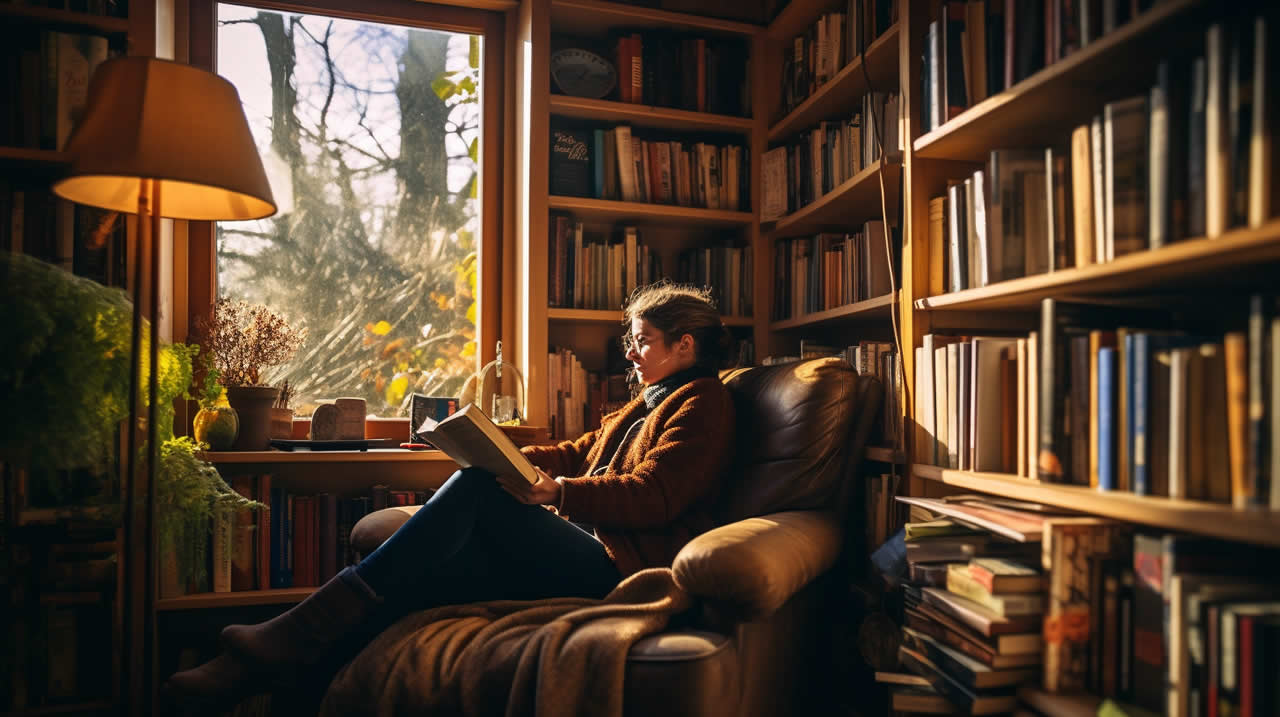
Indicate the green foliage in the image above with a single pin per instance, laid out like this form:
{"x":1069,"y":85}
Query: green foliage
{"x":64,"y":380}
{"x":64,"y":370}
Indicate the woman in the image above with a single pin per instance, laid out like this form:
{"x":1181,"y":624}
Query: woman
{"x":646,"y":480}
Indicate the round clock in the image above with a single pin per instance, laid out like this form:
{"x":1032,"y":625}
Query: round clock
{"x":582,"y":73}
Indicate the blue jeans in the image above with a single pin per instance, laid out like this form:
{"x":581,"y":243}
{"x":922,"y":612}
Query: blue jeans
{"x":472,"y":541}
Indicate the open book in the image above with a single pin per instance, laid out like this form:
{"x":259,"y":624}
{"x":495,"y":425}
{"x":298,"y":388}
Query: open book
{"x":471,"y":439}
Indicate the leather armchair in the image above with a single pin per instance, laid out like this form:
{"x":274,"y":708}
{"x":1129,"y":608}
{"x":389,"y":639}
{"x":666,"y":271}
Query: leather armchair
{"x":755,"y":645}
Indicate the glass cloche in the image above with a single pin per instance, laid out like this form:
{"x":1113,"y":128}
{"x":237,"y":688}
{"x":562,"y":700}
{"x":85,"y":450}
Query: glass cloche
{"x":498,"y":389}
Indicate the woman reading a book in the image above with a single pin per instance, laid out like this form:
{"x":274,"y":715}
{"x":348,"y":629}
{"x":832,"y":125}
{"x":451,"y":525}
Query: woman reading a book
{"x":646,"y":480}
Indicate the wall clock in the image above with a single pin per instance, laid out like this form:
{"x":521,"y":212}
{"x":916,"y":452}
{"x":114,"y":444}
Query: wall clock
{"x":582,"y":73}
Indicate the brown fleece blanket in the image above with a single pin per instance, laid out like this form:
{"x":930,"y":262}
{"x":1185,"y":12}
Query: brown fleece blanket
{"x":562,"y":656}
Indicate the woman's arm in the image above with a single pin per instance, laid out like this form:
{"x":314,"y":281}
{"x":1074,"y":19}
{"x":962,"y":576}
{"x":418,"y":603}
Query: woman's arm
{"x":565,"y":458}
{"x":684,"y":464}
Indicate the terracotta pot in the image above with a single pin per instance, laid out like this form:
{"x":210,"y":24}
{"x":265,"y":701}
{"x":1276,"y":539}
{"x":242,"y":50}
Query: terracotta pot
{"x":281,"y":422}
{"x":253,"y":405}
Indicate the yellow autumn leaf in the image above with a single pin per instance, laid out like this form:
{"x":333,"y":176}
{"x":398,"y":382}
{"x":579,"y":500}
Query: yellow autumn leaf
{"x":469,"y":349}
{"x":397,"y":388}
{"x":382,"y":328}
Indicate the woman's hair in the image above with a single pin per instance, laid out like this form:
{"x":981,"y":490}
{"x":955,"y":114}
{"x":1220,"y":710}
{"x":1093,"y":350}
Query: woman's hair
{"x":679,"y":309}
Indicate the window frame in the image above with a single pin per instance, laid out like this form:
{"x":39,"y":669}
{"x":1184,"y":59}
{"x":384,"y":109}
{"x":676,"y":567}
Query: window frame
{"x":195,"y":296}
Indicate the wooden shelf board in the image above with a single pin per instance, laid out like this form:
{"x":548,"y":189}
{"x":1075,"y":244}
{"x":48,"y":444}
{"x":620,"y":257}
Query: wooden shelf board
{"x":90,"y":707}
{"x":1211,"y":519}
{"x":871,"y":309}
{"x":856,"y":200}
{"x":1041,"y":109}
{"x":1190,"y":260}
{"x":30,"y":156}
{"x":609,"y":210}
{"x":66,"y":19}
{"x":377,"y":455}
{"x":594,"y":17}
{"x":840,"y":96}
{"x":603,"y":316}
{"x":47,"y":516}
{"x":648,"y":115}
{"x":197,"y":601}
{"x":885,"y":454}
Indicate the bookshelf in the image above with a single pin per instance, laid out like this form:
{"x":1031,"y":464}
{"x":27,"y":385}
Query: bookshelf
{"x":202,"y":601}
{"x":1189,"y":516}
{"x":66,"y":635}
{"x":647,"y":214}
{"x":876,"y":309}
{"x":648,"y":116}
{"x":857,"y":198}
{"x":610,"y":318}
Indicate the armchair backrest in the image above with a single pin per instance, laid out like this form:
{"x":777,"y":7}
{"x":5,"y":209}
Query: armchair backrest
{"x":800,"y":427}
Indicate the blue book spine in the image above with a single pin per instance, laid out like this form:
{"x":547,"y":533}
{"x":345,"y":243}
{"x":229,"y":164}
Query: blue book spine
{"x":1106,"y":419}
{"x":597,"y":158}
{"x":279,"y":519}
{"x":1141,"y":387}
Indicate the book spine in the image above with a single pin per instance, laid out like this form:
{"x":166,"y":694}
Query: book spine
{"x":264,"y":538}
{"x":1106,"y":419}
{"x":1140,"y":412}
{"x":1050,"y":461}
{"x":1235,"y":352}
{"x":1256,"y":476}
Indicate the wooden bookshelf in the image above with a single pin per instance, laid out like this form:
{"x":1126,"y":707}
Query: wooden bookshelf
{"x":376,"y":455}
{"x":1048,"y":104}
{"x":28,"y":157}
{"x":647,"y":115}
{"x":1064,"y":704}
{"x":598,"y":17}
{"x":666,"y":214}
{"x":199,"y":601}
{"x":1223,"y":261}
{"x":855,"y":200}
{"x":52,"y":18}
{"x":876,"y":309}
{"x":1211,"y":519}
{"x":840,"y":96}
{"x":885,"y":454}
{"x":605,"y":316}
{"x":341,"y":471}
{"x":70,"y":708}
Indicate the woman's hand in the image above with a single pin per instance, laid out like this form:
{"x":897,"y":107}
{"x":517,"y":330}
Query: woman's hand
{"x":545,"y":492}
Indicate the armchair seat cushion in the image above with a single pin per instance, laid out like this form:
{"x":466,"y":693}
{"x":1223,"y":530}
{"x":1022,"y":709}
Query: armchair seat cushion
{"x":678,"y":646}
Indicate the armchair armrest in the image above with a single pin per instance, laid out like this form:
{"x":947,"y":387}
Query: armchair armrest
{"x":748,"y":569}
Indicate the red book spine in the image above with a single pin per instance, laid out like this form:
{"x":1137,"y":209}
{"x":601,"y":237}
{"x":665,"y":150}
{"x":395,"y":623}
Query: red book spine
{"x":1245,"y":665}
{"x":264,"y":532}
{"x":624,"y":65}
{"x":328,"y":536}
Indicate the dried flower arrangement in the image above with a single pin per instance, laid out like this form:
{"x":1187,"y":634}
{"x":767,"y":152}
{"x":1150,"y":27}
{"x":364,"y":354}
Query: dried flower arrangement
{"x":286,"y":394}
{"x":247,"y":338}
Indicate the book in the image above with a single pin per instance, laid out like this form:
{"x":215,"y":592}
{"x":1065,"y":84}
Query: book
{"x":935,"y":528}
{"x":962,"y":668}
{"x":998,"y":575}
{"x":1010,"y":523}
{"x":928,"y":621}
{"x":570,"y":163}
{"x":977,"y":617}
{"x":471,"y":439}
{"x":968,"y":700}
{"x":961,"y":583}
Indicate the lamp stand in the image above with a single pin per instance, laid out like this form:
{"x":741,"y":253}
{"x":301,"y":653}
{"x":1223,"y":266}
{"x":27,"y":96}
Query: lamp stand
{"x":138,"y":639}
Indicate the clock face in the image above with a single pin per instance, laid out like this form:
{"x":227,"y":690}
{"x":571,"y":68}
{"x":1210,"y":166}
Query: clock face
{"x":582,"y":73}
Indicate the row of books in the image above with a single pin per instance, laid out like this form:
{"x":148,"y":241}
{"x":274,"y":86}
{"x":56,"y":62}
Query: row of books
{"x":832,"y":42}
{"x":821,"y":159}
{"x":713,"y":72}
{"x":300,"y":540}
{"x":1193,"y":157}
{"x":59,"y":596}
{"x":978,"y":48}
{"x":87,"y":241}
{"x":1111,"y":399}
{"x":109,"y":8}
{"x":614,"y":164}
{"x":569,"y":395}
{"x":48,"y":73}
{"x":826,"y":271}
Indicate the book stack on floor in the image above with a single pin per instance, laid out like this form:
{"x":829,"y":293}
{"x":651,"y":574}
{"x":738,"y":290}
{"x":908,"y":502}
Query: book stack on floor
{"x":1110,"y":398}
{"x":973,"y":604}
{"x":1192,"y":157}
{"x":829,"y":270}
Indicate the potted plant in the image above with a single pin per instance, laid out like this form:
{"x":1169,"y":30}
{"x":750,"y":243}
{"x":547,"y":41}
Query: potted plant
{"x":216,"y":424}
{"x":281,"y":414}
{"x":245,"y":339}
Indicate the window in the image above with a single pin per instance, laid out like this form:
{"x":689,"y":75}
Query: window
{"x":371,"y":136}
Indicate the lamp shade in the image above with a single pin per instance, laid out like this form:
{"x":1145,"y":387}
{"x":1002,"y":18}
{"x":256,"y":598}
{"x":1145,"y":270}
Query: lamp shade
{"x":149,"y":119}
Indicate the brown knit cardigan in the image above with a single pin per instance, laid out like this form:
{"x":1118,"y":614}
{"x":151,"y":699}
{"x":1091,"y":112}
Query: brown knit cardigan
{"x":658,"y":495}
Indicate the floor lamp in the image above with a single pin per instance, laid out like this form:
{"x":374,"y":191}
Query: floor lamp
{"x":160,"y":139}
